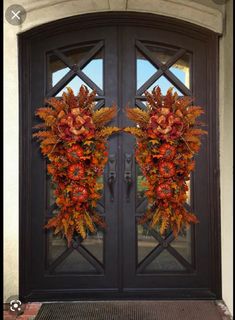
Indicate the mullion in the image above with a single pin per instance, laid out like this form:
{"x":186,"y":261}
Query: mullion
{"x":157,"y":63}
{"x":170,"y":76}
{"x":90,"y":258}
{"x":175,"y":58}
{"x":90,"y":54}
{"x":63,"y":58}
{"x":99,"y":105}
{"x":140,"y":105}
{"x":61,"y":84}
{"x":156,"y":235}
{"x":172,"y":250}
{"x":78,"y":72}
{"x":142,"y":205}
{"x":179,"y":257}
{"x":149,"y":258}
{"x":60,"y":259}
{"x":150,"y":81}
{"x":89,"y":82}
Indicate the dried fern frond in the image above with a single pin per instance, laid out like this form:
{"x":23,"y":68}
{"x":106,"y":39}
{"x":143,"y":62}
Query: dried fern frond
{"x":50,"y":140}
{"x":104,"y":115}
{"x":41,"y":126}
{"x":139,"y":116}
{"x":43,"y":113}
{"x":106,"y":132}
{"x":58,"y":105}
{"x":41,"y":135}
{"x":80,"y":228}
{"x":156,"y":218}
{"x":89,"y":222}
{"x":139,"y":133}
{"x":164,"y":223}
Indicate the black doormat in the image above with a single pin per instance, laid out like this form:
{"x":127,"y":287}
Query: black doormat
{"x":131,"y":310}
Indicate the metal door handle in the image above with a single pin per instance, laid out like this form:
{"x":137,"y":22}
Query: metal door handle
{"x":111,"y":175}
{"x":128,"y":175}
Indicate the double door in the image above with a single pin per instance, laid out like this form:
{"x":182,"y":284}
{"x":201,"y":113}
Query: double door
{"x":126,"y":259}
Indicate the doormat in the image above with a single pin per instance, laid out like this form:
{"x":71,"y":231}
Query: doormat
{"x":131,"y":310}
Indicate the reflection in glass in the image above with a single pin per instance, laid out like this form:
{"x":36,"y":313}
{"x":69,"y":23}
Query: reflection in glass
{"x":183,"y":244}
{"x":188,"y":201}
{"x":161,"y":53}
{"x":50,"y":191}
{"x":93,"y":69}
{"x":94,"y":244}
{"x":75,"y":263}
{"x":56,"y":246}
{"x":181,"y":69}
{"x":140,"y":187}
{"x":56,"y":70}
{"x":144,"y":69}
{"x":146,"y":242}
{"x":164,"y":262}
{"x":75,"y":55}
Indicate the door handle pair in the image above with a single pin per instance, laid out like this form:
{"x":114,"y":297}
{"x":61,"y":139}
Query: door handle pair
{"x":127,"y":175}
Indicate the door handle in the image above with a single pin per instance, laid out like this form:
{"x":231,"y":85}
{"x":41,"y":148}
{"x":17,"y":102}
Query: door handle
{"x":111,"y":174}
{"x":128,"y":175}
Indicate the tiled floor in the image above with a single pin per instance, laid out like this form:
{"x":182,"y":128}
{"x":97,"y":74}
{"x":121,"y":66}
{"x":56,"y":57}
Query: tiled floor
{"x":30,"y":311}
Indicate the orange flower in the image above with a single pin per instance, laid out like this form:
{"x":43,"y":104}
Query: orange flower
{"x":166,"y":169}
{"x":74,"y":153}
{"x":79,"y":194}
{"x":164,"y":191}
{"x":76,"y":171}
{"x":167,"y":151}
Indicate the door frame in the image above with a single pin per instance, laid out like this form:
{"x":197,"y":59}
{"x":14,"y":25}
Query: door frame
{"x":210,"y":39}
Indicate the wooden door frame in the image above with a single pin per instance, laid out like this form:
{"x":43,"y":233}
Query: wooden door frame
{"x":209,"y":38}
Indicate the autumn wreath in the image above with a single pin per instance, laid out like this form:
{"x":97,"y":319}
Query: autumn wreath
{"x":168,"y":136}
{"x":74,"y":140}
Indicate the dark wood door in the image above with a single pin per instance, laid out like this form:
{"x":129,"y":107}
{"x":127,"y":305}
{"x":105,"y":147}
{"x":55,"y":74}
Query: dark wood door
{"x":163,"y":58}
{"x":120,"y":62}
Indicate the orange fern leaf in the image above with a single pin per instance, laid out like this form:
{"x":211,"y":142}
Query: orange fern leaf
{"x":137,"y":115}
{"x":104,"y":115}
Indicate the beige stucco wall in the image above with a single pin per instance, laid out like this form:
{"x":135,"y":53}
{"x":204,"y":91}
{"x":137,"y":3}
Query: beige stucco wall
{"x":202,"y":12}
{"x":226,"y":156}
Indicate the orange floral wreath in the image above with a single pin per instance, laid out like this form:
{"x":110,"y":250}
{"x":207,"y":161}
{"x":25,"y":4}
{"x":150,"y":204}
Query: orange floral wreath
{"x":168,"y":136}
{"x":74,"y":140}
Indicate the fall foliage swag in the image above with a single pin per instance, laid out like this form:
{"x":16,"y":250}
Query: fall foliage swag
{"x":74,"y":140}
{"x":168,"y":136}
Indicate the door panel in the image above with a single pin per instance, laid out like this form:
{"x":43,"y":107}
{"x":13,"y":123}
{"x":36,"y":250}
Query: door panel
{"x":150,"y":260}
{"x":120,"y":60}
{"x":79,"y":59}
